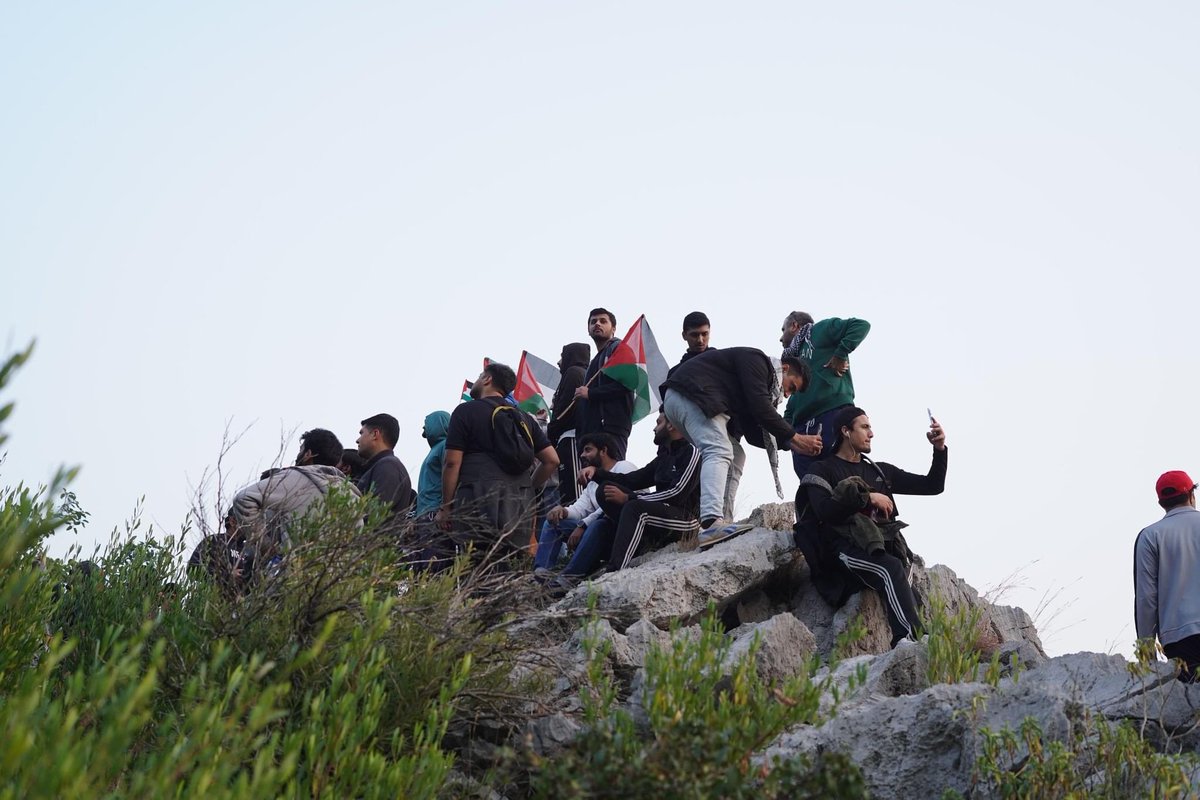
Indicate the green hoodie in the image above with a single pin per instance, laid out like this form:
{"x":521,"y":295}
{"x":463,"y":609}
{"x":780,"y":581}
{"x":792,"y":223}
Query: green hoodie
{"x":828,"y":338}
{"x":429,"y":482}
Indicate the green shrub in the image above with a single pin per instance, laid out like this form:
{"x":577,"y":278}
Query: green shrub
{"x":339,"y":677}
{"x":704,"y":723}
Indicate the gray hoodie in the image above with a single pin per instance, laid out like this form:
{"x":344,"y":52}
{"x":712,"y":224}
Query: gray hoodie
{"x":267,"y":507}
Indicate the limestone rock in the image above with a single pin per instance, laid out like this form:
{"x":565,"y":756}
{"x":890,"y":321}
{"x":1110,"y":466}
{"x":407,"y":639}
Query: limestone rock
{"x":672,"y":587}
{"x":784,"y":647}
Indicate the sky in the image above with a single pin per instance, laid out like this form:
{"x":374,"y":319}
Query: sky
{"x":263,"y":218}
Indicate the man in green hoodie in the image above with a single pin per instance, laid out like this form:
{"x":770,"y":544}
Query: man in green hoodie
{"x":826,"y":347}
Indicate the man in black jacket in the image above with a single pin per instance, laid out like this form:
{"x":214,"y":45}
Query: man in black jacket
{"x":607,"y":404}
{"x":564,"y":413}
{"x":384,"y":473}
{"x":738,"y":384}
{"x":666,"y":513}
{"x":851,"y":499}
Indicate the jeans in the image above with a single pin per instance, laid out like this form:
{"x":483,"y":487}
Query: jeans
{"x":551,"y":541}
{"x":711,"y":437}
{"x":735,"y":476}
{"x":595,"y":547}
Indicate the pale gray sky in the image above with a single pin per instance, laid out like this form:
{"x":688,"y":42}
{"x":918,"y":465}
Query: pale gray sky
{"x":297,"y":215}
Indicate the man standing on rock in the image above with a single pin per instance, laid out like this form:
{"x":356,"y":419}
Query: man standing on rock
{"x":825,"y":347}
{"x":1166,"y":558}
{"x":607,"y":403}
{"x":738,"y":384}
{"x":852,"y":499}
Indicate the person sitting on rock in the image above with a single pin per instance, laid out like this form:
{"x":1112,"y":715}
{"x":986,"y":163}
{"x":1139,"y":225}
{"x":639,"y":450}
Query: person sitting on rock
{"x":670,"y":512}
{"x":850,"y":500}
{"x":567,"y":524}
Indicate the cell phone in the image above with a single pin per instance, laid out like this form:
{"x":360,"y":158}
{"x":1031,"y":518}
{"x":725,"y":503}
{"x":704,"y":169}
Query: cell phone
{"x":930,"y":413}
{"x":929,"y":434}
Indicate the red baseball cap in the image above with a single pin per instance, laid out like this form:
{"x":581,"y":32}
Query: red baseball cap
{"x":1173,"y":483}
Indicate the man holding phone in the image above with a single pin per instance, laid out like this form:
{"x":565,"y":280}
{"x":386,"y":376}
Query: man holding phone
{"x":848,"y":501}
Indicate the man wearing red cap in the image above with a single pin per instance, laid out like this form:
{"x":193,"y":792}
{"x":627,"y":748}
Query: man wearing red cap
{"x":1166,"y":557}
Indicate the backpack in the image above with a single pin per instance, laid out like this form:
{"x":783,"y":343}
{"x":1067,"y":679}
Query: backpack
{"x":512,"y":441}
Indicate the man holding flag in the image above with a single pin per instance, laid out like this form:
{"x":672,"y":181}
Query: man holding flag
{"x":607,"y":403}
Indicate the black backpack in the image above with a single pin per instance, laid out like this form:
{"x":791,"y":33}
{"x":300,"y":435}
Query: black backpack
{"x":512,"y":441}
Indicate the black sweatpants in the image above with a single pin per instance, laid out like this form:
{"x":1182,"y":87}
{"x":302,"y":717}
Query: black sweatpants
{"x":1188,"y":651}
{"x":885,"y":574}
{"x":642,"y":520}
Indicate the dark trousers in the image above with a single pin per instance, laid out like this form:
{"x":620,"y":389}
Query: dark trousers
{"x":885,"y":574}
{"x":568,"y":470}
{"x":1188,"y":651}
{"x":824,"y":423}
{"x":643,"y":524}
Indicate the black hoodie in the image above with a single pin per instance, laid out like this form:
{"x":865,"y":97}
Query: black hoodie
{"x":574,"y":366}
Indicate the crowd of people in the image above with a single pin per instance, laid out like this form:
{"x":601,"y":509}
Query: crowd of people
{"x":499,"y":481}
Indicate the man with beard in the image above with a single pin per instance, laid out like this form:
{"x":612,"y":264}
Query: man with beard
{"x":479,"y":498}
{"x":851,"y":500}
{"x":652,"y":518}
{"x":573,"y":521}
{"x":607,"y":404}
{"x":825,"y":347}
{"x":384,"y":475}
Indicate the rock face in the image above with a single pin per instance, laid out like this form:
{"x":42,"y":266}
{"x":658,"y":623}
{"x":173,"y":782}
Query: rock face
{"x":912,"y":738}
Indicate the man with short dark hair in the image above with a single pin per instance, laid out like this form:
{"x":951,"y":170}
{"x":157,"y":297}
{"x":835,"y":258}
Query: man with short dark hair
{"x":649,"y":519}
{"x":740,"y":384}
{"x":261,"y":513}
{"x":607,"y":403}
{"x":851,"y":500}
{"x":384,"y":475}
{"x":696,"y":330}
{"x":825,"y":347}
{"x":319,"y":446}
{"x":569,"y":522}
{"x":479,"y":498}
{"x":1166,"y":560}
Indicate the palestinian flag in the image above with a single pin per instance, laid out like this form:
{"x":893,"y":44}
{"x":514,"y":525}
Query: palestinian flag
{"x":466,"y":395}
{"x":530,"y":393}
{"x":638,"y":364}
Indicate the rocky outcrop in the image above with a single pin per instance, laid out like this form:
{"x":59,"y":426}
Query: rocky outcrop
{"x":912,"y":738}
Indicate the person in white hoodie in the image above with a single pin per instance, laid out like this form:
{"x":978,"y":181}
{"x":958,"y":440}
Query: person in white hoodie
{"x":262,"y":512}
{"x":566,"y":524}
{"x":1166,"y":560}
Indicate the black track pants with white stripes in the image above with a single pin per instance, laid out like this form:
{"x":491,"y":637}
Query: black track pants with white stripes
{"x":885,"y":574}
{"x":644,"y":523}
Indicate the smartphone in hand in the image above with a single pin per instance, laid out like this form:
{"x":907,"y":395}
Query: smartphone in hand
{"x":929,"y":433}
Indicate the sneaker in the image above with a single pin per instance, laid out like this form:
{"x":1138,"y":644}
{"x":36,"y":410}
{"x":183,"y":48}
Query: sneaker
{"x":561,"y":586}
{"x":544,"y":574}
{"x":719,"y":531}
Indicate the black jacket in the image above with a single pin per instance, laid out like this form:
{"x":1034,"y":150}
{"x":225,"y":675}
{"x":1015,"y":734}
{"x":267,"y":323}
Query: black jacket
{"x":736,"y":381}
{"x":674,"y":473}
{"x":574,"y":369}
{"x":386,"y":476}
{"x":609,"y":407}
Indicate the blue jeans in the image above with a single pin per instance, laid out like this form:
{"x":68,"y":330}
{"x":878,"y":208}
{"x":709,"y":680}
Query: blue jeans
{"x":551,"y":541}
{"x":710,"y":436}
{"x":595,"y":546}
{"x":826,"y":421}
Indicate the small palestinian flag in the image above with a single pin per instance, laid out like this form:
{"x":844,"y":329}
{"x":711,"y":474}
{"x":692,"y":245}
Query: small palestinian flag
{"x":529,"y":393}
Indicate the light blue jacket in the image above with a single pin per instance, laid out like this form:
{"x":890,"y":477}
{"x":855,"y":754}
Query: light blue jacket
{"x":429,"y":482}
